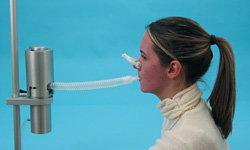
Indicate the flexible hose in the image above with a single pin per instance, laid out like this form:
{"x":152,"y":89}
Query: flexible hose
{"x":92,"y":84}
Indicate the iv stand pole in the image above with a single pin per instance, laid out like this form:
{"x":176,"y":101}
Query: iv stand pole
{"x":15,"y":73}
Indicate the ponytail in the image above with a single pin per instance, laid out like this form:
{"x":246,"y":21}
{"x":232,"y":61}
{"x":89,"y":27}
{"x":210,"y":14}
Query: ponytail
{"x":222,"y":98}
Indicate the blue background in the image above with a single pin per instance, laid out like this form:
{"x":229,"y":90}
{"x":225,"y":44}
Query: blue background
{"x":88,"y":38}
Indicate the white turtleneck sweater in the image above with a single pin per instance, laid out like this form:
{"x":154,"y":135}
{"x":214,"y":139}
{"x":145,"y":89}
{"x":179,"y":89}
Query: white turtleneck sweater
{"x":196,"y":129}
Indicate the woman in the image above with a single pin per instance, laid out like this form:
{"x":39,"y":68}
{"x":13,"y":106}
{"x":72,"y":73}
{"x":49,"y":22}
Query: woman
{"x":175,"y":54}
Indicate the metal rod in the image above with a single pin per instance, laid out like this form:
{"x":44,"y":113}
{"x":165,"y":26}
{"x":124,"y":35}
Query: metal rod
{"x":15,"y":72}
{"x":16,"y":112}
{"x":14,"y":49}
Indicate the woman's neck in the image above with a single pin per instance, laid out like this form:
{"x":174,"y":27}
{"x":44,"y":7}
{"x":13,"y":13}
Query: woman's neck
{"x":171,"y":90}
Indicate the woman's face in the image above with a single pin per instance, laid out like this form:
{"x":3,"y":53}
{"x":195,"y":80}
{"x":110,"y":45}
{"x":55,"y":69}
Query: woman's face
{"x":153,"y":75}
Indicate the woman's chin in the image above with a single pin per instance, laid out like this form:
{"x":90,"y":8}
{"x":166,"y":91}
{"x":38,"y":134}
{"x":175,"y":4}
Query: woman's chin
{"x":144,"y":90}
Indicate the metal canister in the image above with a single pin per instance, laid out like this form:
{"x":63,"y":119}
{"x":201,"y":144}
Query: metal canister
{"x":39,"y":72}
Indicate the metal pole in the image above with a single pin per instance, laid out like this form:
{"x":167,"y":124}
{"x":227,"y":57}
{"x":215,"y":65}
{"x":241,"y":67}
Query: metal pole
{"x":14,"y":49}
{"x":15,"y":72}
{"x":17,"y":133}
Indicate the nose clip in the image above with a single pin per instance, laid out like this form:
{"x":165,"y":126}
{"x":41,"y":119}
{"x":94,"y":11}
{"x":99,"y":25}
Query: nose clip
{"x":135,"y":63}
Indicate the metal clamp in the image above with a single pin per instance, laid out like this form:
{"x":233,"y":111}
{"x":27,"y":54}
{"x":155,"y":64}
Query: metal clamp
{"x":24,"y":100}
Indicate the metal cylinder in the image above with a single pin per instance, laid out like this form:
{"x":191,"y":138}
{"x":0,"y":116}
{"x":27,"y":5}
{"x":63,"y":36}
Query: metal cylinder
{"x":40,"y":119}
{"x":39,"y":72}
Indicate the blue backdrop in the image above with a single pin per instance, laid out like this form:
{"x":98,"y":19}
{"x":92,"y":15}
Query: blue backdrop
{"x":88,"y":38}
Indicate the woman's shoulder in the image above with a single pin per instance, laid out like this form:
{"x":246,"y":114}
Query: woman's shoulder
{"x":189,"y":139}
{"x":196,"y":138}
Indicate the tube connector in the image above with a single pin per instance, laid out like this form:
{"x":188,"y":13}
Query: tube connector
{"x":137,"y":64}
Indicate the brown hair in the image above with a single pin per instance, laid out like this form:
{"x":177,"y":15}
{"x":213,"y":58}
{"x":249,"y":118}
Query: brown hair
{"x":189,"y":43}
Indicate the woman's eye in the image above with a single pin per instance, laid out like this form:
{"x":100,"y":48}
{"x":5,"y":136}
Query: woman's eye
{"x":143,"y":57}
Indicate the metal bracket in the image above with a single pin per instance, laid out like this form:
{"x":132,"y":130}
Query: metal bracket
{"x":24,"y":100}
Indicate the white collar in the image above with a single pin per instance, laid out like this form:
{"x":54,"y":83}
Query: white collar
{"x":172,"y":108}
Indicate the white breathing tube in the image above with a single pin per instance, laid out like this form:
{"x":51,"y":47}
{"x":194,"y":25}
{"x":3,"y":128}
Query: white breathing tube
{"x":96,"y":84}
{"x":92,"y":84}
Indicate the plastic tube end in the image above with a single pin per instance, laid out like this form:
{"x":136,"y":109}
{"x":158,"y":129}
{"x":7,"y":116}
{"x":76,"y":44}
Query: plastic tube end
{"x":132,"y":60}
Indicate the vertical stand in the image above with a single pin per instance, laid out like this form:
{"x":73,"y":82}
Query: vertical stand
{"x":15,"y":73}
{"x":17,"y":131}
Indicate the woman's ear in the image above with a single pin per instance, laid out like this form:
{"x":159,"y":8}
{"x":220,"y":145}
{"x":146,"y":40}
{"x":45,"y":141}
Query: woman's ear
{"x":174,"y":69}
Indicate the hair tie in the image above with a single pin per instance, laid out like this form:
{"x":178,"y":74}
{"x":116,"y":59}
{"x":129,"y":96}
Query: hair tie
{"x":212,"y":41}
